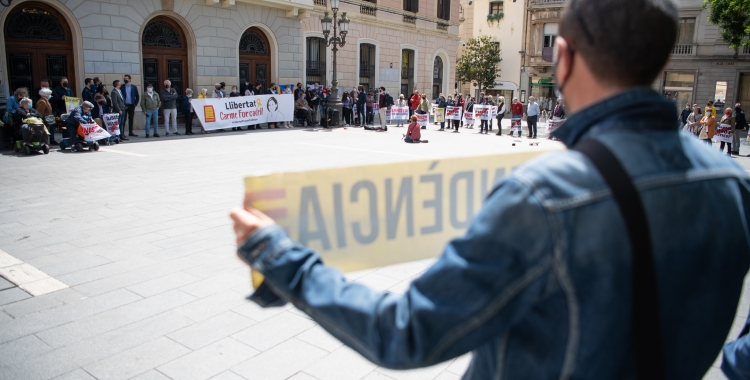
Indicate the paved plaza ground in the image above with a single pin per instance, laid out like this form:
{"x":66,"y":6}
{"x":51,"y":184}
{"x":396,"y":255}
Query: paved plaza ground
{"x":140,"y":236}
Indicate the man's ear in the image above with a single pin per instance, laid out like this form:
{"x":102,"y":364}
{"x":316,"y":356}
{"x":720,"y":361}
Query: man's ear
{"x":564,"y":60}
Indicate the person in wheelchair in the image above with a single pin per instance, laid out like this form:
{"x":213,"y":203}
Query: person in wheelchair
{"x":79,"y":115}
{"x":25,"y":111}
{"x":301,"y":108}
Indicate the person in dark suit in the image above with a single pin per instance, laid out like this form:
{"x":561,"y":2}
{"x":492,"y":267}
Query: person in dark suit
{"x":130,"y":94}
{"x":118,"y":106}
{"x":59,"y":94}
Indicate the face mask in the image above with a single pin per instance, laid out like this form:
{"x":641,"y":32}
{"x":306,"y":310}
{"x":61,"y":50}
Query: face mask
{"x":150,"y":90}
{"x":190,"y":96}
{"x":167,"y":86}
{"x":728,"y":113}
{"x":49,"y":97}
{"x":126,"y":81}
{"x":65,"y":84}
{"x":234,"y":90}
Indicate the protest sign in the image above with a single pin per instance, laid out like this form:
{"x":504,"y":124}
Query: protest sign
{"x":433,"y":107}
{"x":375,"y":107}
{"x":493,"y":114}
{"x":554,"y":124}
{"x":388,"y":114}
{"x":93,"y":132}
{"x":515,"y":124}
{"x":71,"y":103}
{"x":423,"y":119}
{"x":222,"y":113}
{"x":453,"y":113}
{"x":468,"y":118}
{"x":399,"y":113}
{"x":482,"y":112}
{"x":112,"y":123}
{"x":439,"y":115}
{"x":723,"y":133}
{"x":375,"y":215}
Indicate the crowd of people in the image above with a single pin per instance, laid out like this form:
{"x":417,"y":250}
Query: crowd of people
{"x":703,"y":124}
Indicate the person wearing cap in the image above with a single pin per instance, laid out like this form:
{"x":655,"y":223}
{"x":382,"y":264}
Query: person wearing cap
{"x":218,"y":93}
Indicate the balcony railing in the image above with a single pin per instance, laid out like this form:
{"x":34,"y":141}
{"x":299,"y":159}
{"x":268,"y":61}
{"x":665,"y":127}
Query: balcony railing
{"x":407,"y":73}
{"x":367,"y":10}
{"x":321,"y":3}
{"x":366,"y":70}
{"x":410,"y":19}
{"x":315,"y":68}
{"x":684,"y":49}
{"x":442,"y":26}
{"x":550,"y":1}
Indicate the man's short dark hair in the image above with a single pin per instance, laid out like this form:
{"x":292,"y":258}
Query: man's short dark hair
{"x":115,"y":83}
{"x":127,"y":76}
{"x":87,"y":81}
{"x":624,"y":42}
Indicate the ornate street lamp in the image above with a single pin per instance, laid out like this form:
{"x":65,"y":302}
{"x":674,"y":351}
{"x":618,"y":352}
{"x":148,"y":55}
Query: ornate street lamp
{"x":337,"y":39}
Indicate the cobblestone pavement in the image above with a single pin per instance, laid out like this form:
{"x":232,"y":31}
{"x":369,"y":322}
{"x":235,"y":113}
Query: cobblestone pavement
{"x":140,"y":234}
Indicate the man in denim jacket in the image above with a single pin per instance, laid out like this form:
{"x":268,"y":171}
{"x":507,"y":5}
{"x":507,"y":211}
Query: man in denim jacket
{"x":540,"y":285}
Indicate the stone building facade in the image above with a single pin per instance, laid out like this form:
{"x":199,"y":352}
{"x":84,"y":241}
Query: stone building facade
{"x":542,"y":21}
{"x":196,"y":43}
{"x":506,"y":32}
{"x":702,"y":66}
{"x":402,"y":45}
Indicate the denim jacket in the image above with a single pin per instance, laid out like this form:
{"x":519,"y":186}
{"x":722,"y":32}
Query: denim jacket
{"x":540,"y":285}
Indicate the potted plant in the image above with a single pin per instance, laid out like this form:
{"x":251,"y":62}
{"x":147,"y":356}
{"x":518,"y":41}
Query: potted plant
{"x":495,"y":18}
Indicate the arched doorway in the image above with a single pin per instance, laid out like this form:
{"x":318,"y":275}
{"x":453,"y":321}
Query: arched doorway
{"x":255,"y":57}
{"x":164,"y":54}
{"x":39,"y":45}
{"x":437,"y":77}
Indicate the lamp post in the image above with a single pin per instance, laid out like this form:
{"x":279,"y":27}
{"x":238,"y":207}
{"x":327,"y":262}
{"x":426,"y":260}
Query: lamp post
{"x":337,"y":39}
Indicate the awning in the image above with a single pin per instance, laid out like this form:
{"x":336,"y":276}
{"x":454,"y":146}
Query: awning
{"x":544,"y":82}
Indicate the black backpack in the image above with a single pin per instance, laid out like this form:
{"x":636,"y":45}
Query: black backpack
{"x":388,"y":100}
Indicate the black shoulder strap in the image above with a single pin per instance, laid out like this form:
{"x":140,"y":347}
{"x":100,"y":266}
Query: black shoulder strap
{"x":647,"y":339}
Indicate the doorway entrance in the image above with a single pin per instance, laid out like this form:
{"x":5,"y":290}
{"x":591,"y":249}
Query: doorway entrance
{"x":39,"y":45}
{"x":164,"y":56}
{"x":255,"y":58}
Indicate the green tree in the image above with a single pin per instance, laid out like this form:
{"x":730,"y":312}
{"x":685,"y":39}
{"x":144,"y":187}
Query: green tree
{"x":733,"y":17}
{"x":479,"y":62}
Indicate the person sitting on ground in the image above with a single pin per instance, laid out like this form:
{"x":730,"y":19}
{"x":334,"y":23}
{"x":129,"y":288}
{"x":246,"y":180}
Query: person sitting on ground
{"x":302,"y":108}
{"x":79,"y":115}
{"x":25,"y":111}
{"x":413,"y":134}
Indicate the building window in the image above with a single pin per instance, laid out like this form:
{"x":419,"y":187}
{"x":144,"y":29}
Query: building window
{"x":686,"y":31}
{"x":678,"y":87}
{"x":720,"y":95}
{"x":496,"y":7}
{"x":550,"y":33}
{"x":315,"y":64}
{"x":411,"y":5}
{"x":444,"y":9}
{"x":367,"y":66}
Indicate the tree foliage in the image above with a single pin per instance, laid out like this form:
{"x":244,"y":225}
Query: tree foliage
{"x":733,"y":17}
{"x":479,"y":62}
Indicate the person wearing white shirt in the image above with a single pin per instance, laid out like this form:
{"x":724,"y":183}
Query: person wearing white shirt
{"x":532,"y":114}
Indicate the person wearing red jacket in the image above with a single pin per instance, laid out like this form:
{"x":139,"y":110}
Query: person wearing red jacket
{"x":414,"y":102}
{"x":516,"y":114}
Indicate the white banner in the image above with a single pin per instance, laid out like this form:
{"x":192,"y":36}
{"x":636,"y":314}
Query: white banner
{"x":93,"y":132}
{"x":468,"y":118}
{"x":553,"y":124}
{"x":423,"y":119}
{"x":482,"y":112}
{"x":245,"y":110}
{"x":453,"y":113}
{"x":494,"y":112}
{"x":723,"y":133}
{"x":433,"y":107}
{"x":399,"y":113}
{"x":112,"y":123}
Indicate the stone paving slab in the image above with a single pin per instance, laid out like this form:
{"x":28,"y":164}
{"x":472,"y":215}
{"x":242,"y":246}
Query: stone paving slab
{"x":146,"y":246}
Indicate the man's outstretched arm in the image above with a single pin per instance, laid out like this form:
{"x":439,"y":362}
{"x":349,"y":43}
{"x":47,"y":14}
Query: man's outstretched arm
{"x":481,"y":286}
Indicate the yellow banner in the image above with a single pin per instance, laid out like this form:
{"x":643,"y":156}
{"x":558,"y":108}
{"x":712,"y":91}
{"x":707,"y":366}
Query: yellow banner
{"x":439,"y":115}
{"x":71,"y":103}
{"x":371,"y":216}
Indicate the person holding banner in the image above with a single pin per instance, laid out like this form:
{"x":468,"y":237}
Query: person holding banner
{"x":516,"y":114}
{"x":442,"y":104}
{"x":59,"y":95}
{"x":401,"y":102}
{"x":727,"y":128}
{"x":302,"y":108}
{"x":414,"y":102}
{"x":79,"y":115}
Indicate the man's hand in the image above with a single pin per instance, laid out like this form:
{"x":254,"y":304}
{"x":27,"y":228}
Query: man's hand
{"x":246,"y":222}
